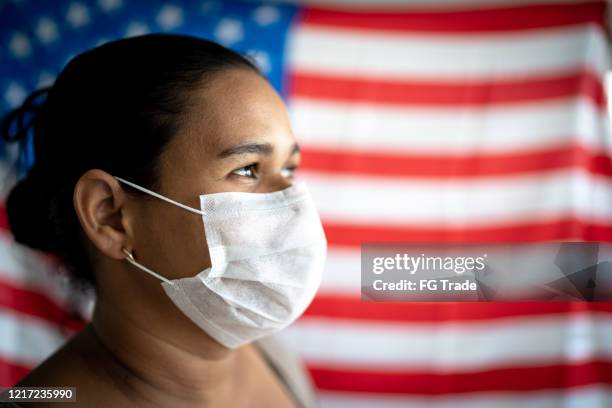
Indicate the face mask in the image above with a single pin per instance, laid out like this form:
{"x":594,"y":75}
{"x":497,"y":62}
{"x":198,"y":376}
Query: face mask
{"x":267,"y":252}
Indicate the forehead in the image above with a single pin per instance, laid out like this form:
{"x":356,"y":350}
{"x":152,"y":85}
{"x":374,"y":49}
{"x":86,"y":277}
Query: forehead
{"x":234,"y":106}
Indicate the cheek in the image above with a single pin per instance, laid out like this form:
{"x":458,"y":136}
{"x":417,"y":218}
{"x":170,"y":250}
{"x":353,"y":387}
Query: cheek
{"x":174,"y":243}
{"x":194,"y":248}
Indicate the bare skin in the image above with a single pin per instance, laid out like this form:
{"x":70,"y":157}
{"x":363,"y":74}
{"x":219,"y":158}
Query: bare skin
{"x":139,"y":349}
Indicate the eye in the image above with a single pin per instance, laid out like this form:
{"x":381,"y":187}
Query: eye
{"x":288,"y":171}
{"x":246,"y":171}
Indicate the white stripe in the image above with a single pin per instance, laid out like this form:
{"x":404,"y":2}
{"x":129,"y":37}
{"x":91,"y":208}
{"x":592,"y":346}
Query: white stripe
{"x":592,"y":396}
{"x":407,"y":55}
{"x":453,"y":130}
{"x":342,"y":274}
{"x":26,"y":340}
{"x":462,"y":203}
{"x":451,"y":346}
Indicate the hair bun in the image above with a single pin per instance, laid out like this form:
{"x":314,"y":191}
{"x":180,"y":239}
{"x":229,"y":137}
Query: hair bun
{"x":28,"y":202}
{"x":28,"y":209}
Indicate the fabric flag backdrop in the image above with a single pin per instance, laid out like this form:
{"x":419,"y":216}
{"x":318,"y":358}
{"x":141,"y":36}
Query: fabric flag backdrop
{"x":419,"y":121}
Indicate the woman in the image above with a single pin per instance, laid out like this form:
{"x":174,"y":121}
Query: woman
{"x":163,"y":174}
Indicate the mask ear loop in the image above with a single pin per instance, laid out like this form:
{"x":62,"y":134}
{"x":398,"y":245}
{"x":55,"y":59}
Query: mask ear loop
{"x":161,"y":197}
{"x":130,"y":259}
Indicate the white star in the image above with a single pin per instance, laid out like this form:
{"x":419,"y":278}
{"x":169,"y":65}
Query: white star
{"x":20,"y":45}
{"x":169,"y":17}
{"x":77,"y":15}
{"x":110,"y":5}
{"x":136,"y":28}
{"x":46,"y":30}
{"x":266,"y":15}
{"x":261,"y":59}
{"x":229,"y":31}
{"x":14,"y":94}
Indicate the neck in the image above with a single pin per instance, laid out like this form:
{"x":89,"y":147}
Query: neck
{"x":162,"y":367}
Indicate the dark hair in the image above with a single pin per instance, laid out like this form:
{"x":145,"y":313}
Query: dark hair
{"x":114,"y":108}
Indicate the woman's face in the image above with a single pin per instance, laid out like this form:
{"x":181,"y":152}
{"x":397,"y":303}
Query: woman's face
{"x":237,"y":137}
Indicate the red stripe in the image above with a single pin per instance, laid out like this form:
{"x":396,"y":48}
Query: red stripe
{"x":554,"y":376}
{"x":500,"y":19}
{"x":343,"y":234}
{"x":443,"y":93}
{"x":33,"y":303}
{"x":29,"y":302}
{"x":394,"y":164}
{"x":4,"y":223}
{"x":348,"y":307}
{"x":11,"y":373}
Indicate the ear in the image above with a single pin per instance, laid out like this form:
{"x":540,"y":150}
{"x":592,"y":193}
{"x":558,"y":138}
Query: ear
{"x":100,"y":204}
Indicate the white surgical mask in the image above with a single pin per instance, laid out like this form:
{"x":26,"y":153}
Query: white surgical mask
{"x":267,"y":252}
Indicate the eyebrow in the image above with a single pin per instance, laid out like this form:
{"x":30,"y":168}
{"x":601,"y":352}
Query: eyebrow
{"x":259,"y":148}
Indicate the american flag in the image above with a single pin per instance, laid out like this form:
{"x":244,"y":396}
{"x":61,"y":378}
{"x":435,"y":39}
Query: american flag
{"x":454,"y":120}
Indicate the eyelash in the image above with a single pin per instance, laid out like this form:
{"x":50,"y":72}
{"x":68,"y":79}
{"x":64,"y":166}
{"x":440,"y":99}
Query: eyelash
{"x":252,"y":168}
